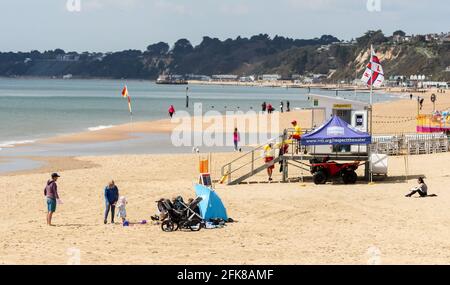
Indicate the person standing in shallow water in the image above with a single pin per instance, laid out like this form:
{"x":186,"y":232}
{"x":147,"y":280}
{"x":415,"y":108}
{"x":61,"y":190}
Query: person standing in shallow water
{"x":111,"y":198}
{"x":51,"y":192}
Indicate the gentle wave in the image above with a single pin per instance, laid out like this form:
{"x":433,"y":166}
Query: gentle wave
{"x":10,"y":144}
{"x":98,"y":128}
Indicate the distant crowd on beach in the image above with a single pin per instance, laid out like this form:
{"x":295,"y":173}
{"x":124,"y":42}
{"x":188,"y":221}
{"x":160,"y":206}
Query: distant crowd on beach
{"x":267,"y":107}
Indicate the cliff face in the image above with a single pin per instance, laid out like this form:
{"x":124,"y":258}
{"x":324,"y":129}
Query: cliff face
{"x":242,"y":56}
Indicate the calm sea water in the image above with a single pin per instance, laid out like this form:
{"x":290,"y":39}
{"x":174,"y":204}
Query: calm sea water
{"x":38,"y":108}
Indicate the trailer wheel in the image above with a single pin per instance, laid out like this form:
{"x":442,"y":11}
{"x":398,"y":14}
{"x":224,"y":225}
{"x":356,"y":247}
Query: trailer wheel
{"x":320,"y":177}
{"x":349,"y":177}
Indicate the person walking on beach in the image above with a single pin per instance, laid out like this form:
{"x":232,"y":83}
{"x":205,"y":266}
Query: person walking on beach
{"x":51,"y":192}
{"x":111,"y":198}
{"x":264,"y":107}
{"x":171,"y":111}
{"x":410,"y":96}
{"x":281,"y":106}
{"x":421,"y":188}
{"x":236,"y":139}
{"x":269,"y":108}
{"x":288,"y":106}
{"x":269,"y":154}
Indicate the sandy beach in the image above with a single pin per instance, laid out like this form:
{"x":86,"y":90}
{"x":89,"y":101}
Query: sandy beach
{"x":276,"y":223}
{"x":296,"y":223}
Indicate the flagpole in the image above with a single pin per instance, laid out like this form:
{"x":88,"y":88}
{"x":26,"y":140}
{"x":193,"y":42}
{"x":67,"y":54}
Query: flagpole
{"x":371,"y":113}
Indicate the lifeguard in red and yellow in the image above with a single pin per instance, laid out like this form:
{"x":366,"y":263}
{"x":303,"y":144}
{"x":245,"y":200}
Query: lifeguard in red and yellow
{"x":269,"y":155}
{"x":297,"y":135}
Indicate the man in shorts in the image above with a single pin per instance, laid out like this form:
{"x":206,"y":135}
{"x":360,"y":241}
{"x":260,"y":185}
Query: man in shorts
{"x":51,"y":192}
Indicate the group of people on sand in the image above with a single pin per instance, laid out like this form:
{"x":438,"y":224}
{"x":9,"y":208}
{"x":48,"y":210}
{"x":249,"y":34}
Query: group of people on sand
{"x":113,"y":201}
{"x":269,"y":108}
{"x":270,"y":148}
{"x":111,"y":195}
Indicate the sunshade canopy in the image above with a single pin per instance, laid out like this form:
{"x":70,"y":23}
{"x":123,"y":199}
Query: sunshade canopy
{"x":211,"y":206}
{"x":336,"y":132}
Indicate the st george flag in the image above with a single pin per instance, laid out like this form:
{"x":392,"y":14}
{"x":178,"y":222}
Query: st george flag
{"x":374,"y":74}
{"x":126,"y":95}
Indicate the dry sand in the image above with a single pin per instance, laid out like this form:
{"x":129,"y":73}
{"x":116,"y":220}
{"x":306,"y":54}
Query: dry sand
{"x":277,"y":223}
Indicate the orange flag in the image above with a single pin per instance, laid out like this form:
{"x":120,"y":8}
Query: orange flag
{"x":126,"y":95}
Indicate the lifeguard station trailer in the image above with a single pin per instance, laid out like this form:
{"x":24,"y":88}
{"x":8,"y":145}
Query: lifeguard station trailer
{"x":355,"y":113}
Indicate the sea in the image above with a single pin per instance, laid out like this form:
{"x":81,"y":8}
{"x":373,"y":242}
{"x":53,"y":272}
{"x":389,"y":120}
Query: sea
{"x":34,"y":109}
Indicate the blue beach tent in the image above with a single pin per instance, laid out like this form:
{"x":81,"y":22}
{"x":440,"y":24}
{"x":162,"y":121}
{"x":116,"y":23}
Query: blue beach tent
{"x":211,"y":207}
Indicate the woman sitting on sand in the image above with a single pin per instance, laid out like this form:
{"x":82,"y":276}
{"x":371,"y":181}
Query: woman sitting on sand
{"x":422,"y":189}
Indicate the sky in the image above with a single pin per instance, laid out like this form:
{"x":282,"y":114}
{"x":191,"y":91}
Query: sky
{"x":112,"y":25}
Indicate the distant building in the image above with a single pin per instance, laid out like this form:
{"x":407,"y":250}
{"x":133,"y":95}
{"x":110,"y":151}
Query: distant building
{"x":434,"y":84}
{"x":27,"y":60}
{"x":197,"y":77}
{"x":323,"y":48}
{"x":225,"y":77}
{"x":401,"y":39}
{"x":270,"y":77}
{"x":247,"y":78}
{"x":296,"y":76}
{"x":445,"y":38}
{"x":67,"y":57}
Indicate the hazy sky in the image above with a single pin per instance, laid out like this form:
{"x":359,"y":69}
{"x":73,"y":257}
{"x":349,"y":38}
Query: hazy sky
{"x":111,"y":25}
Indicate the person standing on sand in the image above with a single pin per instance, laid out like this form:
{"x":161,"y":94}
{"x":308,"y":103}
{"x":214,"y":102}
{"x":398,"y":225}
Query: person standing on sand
{"x":51,"y":192}
{"x":111,"y":198}
{"x":236,"y":139}
{"x":281,"y":106}
{"x":288,"y":106}
{"x":269,"y":154}
{"x":171,"y":111}
{"x":264,"y":107}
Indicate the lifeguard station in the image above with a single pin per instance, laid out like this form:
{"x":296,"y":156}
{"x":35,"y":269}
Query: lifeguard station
{"x":353,"y":114}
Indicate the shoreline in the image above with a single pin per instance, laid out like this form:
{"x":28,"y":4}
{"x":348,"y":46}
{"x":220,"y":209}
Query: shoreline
{"x":384,"y":123}
{"x":124,"y":131}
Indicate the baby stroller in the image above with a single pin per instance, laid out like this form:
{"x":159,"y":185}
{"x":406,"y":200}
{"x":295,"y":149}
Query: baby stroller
{"x":181,"y":217}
